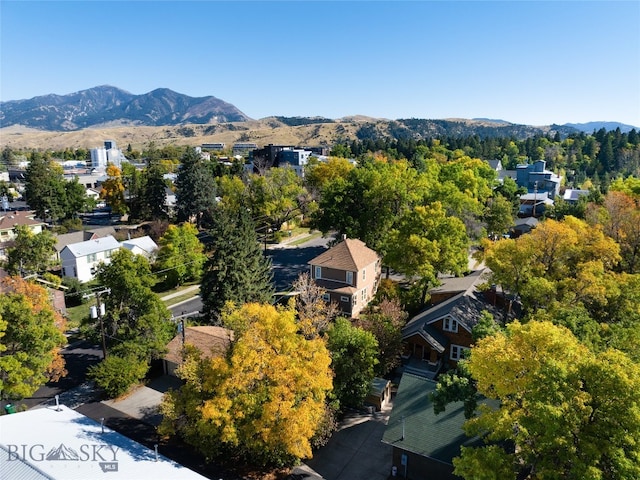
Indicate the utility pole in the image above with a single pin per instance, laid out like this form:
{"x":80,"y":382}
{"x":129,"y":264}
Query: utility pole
{"x":98,"y":311}
{"x":180,"y":320}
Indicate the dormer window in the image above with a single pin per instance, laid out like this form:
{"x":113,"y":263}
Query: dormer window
{"x":449,"y":325}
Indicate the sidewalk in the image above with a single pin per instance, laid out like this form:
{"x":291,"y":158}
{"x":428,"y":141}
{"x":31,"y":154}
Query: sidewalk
{"x":191,"y":288}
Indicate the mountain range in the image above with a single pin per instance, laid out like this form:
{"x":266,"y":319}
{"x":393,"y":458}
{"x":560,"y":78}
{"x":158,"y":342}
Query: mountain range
{"x":111,"y":106}
{"x":85,"y":118}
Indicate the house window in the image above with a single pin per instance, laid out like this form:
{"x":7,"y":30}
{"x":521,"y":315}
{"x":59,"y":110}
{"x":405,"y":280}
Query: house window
{"x":458,"y":352}
{"x":107,"y":254}
{"x":317,"y":272}
{"x":344,"y":299}
{"x":350,"y":278}
{"x":450,"y":325}
{"x":326,"y":297}
{"x":364,"y":274}
{"x":92,"y":257}
{"x":364,"y":295}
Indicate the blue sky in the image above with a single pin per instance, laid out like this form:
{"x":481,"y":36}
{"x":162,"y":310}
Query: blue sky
{"x":525,"y":62}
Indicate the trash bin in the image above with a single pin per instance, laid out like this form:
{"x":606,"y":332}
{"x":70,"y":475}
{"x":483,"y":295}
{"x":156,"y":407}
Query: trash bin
{"x":9,"y":408}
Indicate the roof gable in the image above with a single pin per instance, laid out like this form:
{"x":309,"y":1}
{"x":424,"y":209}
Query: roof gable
{"x":349,"y":255}
{"x":465,"y":308}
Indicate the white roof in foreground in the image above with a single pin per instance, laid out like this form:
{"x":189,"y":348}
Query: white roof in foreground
{"x":62,"y":444}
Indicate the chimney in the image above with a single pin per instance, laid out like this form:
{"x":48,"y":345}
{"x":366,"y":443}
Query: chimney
{"x":344,"y":237}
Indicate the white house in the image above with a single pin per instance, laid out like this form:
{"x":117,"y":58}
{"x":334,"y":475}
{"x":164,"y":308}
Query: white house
{"x":141,"y":246}
{"x":80,"y":260}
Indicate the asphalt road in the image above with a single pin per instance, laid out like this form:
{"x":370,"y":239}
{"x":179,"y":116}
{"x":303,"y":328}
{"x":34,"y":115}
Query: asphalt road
{"x":287,"y":263}
{"x":78,"y":357}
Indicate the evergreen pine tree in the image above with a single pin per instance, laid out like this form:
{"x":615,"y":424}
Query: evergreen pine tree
{"x":155,"y":191}
{"x":195,"y":188}
{"x":237,"y":270}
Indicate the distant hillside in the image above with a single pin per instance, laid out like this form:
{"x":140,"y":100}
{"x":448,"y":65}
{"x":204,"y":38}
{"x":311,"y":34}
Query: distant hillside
{"x":111,"y":106}
{"x":276,"y":130}
{"x":591,"y":127}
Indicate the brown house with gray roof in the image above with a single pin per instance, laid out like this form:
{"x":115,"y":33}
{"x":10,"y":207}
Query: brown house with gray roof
{"x":350,"y":274}
{"x":440,"y":335}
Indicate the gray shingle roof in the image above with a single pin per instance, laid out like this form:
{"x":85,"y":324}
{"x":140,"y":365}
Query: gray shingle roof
{"x":464,"y":307}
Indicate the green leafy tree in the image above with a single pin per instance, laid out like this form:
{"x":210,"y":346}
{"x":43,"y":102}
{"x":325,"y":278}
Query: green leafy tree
{"x":31,"y":252}
{"x":277,"y":196}
{"x":195,"y":188}
{"x":354,"y":356}
{"x":76,"y":199}
{"x":115,"y":374}
{"x":136,"y":320}
{"x":264,"y":401}
{"x":367,"y":202}
{"x":30,"y":339}
{"x":426,"y":242}
{"x":559,"y":412}
{"x":237,"y":271}
{"x":498,"y":216}
{"x":181,"y":255}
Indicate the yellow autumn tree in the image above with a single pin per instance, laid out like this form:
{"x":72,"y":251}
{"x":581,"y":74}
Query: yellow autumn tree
{"x":264,"y":401}
{"x":561,"y":411}
{"x":113,"y":190}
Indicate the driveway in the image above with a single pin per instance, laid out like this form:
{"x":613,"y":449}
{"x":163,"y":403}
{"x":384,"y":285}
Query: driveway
{"x":143,"y":402}
{"x":354,"y":452}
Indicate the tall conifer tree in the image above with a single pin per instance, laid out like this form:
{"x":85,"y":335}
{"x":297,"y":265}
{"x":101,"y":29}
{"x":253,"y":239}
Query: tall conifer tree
{"x":237,"y":270}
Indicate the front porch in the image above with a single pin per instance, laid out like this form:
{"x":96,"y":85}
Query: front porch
{"x":423,"y":368}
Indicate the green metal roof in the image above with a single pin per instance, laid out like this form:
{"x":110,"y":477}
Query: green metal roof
{"x":435,"y":436}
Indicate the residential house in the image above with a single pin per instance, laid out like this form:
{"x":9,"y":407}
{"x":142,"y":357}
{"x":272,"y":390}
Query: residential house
{"x":523,"y":225}
{"x":350,"y":273}
{"x":80,"y":236}
{"x":424,"y":444}
{"x":80,"y":260}
{"x":440,"y":335}
{"x":536,"y":178}
{"x":534,"y":204}
{"x":141,"y":246}
{"x":211,"y":341}
{"x":11,"y":219}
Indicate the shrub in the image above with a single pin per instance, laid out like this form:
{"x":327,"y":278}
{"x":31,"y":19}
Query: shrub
{"x":115,"y":375}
